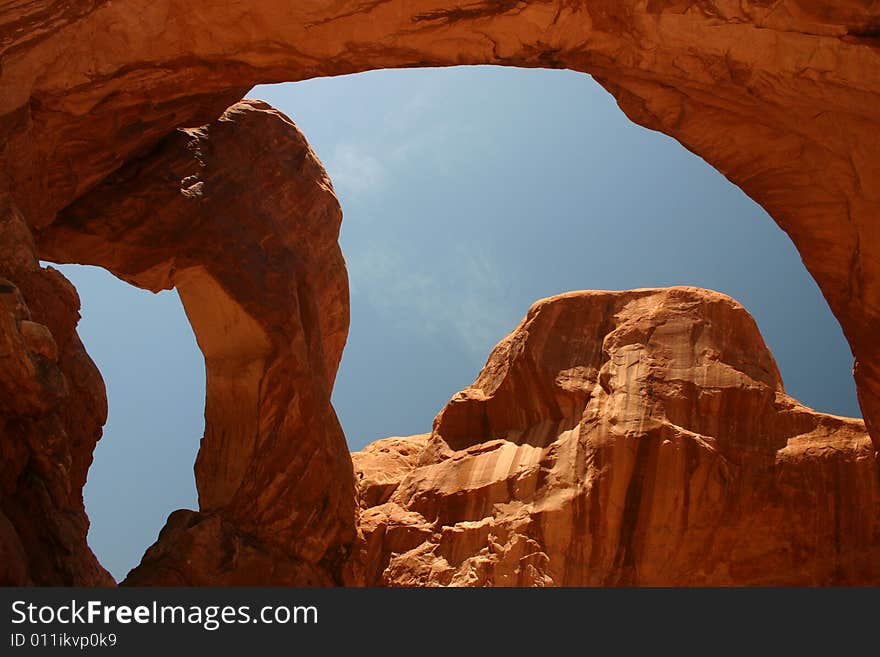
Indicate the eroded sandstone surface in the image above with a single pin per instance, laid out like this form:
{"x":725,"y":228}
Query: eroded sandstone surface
{"x":240,"y":217}
{"x":117,"y":149}
{"x":52,"y":409}
{"x":783,"y":97}
{"x":625,"y":438}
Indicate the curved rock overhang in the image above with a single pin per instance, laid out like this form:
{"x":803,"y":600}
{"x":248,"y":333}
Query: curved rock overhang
{"x":780,"y":97}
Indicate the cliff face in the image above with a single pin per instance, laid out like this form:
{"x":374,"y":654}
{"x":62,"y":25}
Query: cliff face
{"x":625,"y":438}
{"x":102,"y":162}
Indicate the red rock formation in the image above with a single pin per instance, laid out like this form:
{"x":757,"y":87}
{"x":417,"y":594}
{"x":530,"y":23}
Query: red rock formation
{"x":52,"y":408}
{"x":639,"y":438}
{"x":241,"y":218}
{"x":783,"y":98}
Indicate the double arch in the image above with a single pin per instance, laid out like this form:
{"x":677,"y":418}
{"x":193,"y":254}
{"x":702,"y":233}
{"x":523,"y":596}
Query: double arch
{"x":782,"y":99}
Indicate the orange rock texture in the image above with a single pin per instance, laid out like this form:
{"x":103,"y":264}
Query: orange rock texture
{"x":117,"y":148}
{"x":257,"y":264}
{"x":625,"y":438}
{"x":782,"y":97}
{"x":52,"y":408}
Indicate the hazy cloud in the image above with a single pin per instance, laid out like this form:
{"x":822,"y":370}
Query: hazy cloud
{"x":466,"y":301}
{"x":463,"y":296}
{"x":355,"y":170}
{"x":401,"y":139}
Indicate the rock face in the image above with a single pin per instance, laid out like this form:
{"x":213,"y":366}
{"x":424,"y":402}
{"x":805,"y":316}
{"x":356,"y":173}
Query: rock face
{"x":102,"y":162}
{"x":625,"y":438}
{"x":241,"y":218}
{"x":52,"y":408}
{"x":782,"y":97}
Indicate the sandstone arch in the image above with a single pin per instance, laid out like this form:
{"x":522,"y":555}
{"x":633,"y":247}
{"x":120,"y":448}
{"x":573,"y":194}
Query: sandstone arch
{"x":781,"y":97}
{"x":273,"y":464}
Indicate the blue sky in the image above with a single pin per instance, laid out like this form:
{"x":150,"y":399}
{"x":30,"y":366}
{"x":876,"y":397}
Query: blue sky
{"x":468,"y":193}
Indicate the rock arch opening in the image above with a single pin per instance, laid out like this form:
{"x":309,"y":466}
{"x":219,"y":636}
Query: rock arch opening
{"x":153,"y":372}
{"x":569,"y":125}
{"x":470,"y":192}
{"x":783,"y":102}
{"x":270,"y":358}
